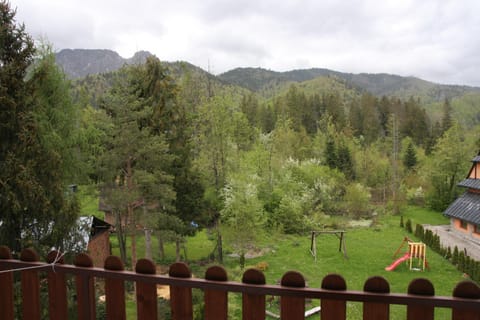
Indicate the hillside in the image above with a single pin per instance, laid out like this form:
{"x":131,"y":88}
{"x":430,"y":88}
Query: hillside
{"x":261,"y":80}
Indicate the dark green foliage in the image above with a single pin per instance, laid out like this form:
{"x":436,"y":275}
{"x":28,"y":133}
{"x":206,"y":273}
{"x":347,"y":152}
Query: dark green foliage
{"x":410,"y":157}
{"x":455,"y":256}
{"x":401,"y":222}
{"x":33,"y":171}
{"x":408,"y":226}
{"x":419,"y":231}
{"x":331,"y":154}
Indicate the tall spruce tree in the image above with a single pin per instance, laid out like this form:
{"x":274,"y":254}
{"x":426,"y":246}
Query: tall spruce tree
{"x":35,"y":209}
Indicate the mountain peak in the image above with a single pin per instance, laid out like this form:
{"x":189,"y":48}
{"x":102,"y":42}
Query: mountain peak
{"x":78,"y":63}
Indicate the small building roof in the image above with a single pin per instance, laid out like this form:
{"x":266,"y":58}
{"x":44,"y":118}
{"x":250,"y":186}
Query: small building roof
{"x":476,"y":159}
{"x":470,"y":183}
{"x":466,"y":207}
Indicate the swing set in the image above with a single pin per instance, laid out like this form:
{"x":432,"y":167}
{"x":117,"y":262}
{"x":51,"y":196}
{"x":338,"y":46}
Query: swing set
{"x":340,"y":234}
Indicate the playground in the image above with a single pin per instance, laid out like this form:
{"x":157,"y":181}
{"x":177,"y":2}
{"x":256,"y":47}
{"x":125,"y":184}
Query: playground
{"x":415,"y":256}
{"x":368,"y":251}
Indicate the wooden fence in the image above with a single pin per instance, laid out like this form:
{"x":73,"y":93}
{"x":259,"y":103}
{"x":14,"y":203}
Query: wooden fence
{"x":420,"y":300}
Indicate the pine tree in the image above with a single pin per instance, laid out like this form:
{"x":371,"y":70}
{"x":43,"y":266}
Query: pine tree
{"x":410,"y":157}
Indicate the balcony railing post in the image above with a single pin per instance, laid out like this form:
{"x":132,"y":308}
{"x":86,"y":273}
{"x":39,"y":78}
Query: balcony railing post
{"x":146,"y":292}
{"x":375,"y":310}
{"x":85,"y":289}
{"x":57,"y":289}
{"x":333,"y":309}
{"x":30,"y":287}
{"x":180,"y":297}
{"x":216,"y":301}
{"x":253,"y":305}
{"x":6,"y":289}
{"x":292,"y":307}
{"x":114,"y":291}
{"x":421,"y":287}
{"x":468,"y":290}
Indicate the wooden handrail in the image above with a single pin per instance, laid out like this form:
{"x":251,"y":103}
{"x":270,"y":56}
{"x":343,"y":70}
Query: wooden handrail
{"x":376,"y":297}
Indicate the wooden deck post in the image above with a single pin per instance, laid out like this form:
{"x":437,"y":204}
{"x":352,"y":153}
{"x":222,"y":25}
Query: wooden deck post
{"x":421,"y":287}
{"x":146,"y":292}
{"x":57,"y":289}
{"x":468,"y":290}
{"x":114,"y":291}
{"x":85,"y":289}
{"x":180,"y":297}
{"x":373,"y":310}
{"x":292,"y":307}
{"x":30,"y":287}
{"x":216,"y":301}
{"x":253,"y":305}
{"x":6,"y":289}
{"x":333,"y":309}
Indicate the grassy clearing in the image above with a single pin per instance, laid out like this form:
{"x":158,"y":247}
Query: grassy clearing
{"x":369,"y":250}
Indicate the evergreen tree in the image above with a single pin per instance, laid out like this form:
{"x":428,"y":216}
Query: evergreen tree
{"x":447,"y":120}
{"x":410,"y":157}
{"x":331,"y":154}
{"x":35,"y":207}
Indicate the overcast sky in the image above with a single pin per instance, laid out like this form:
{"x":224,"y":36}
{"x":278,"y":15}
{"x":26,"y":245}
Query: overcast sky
{"x":436,"y":40}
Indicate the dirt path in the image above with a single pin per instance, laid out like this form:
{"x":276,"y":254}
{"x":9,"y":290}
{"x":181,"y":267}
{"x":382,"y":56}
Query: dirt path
{"x":449,"y":238}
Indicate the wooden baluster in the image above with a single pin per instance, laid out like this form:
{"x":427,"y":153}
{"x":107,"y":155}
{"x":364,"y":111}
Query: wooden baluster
{"x":333,"y":309}
{"x":6,"y":287}
{"x":292,"y":307}
{"x":466,"y":290}
{"x":375,"y":310}
{"x":30,"y":287}
{"x":180,"y":297}
{"x":253,"y":305}
{"x":216,"y":301}
{"x":85,"y":289}
{"x":57,"y":289}
{"x":422,"y":287}
{"x":114,"y":290}
{"x":146,"y":292}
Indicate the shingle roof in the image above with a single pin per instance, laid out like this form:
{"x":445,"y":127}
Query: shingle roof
{"x":466,"y":207}
{"x":476,"y":159}
{"x":470,"y":183}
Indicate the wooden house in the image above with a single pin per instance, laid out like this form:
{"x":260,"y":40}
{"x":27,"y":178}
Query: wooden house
{"x":464,"y":212}
{"x":95,"y":234}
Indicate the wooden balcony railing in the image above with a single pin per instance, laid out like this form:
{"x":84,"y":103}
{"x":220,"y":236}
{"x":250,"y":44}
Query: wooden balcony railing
{"x":420,"y":300}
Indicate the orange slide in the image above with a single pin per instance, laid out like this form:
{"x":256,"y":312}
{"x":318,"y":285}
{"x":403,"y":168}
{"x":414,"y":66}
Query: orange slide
{"x":391,"y":267}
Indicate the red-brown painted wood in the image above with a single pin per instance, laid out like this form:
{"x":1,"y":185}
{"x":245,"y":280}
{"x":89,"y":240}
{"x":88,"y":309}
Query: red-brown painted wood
{"x":57,"y":289}
{"x":216,"y":301}
{"x":6,"y":286}
{"x":375,"y":310}
{"x":468,"y":290}
{"x":420,"y":287}
{"x":146,"y":292}
{"x":85,"y":289}
{"x":253,"y":305}
{"x":180,"y":297}
{"x":114,"y":291}
{"x":292,"y":307}
{"x":333,"y":309}
{"x":30,"y":287}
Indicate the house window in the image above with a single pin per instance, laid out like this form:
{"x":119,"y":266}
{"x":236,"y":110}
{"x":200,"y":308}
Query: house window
{"x":463,"y":224}
{"x":477,"y":229}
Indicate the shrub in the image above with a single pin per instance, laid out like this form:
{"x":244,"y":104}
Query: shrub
{"x":408,"y":226}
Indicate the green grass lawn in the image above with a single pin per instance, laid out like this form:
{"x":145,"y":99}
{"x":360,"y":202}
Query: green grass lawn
{"x":369,"y":250}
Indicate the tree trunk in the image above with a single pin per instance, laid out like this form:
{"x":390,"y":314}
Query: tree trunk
{"x":148,"y":244}
{"x":219,"y":244}
{"x":120,"y":237}
{"x":177,"y":249}
{"x":161,"y":249}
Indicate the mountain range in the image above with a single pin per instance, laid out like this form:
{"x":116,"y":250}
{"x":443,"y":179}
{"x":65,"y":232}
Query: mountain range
{"x":78,"y":63}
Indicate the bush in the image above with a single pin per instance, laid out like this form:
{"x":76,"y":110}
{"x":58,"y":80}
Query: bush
{"x":408,"y":226}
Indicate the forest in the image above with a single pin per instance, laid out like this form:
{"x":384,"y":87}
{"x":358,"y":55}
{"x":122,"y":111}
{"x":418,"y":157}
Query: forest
{"x":174,"y":149}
